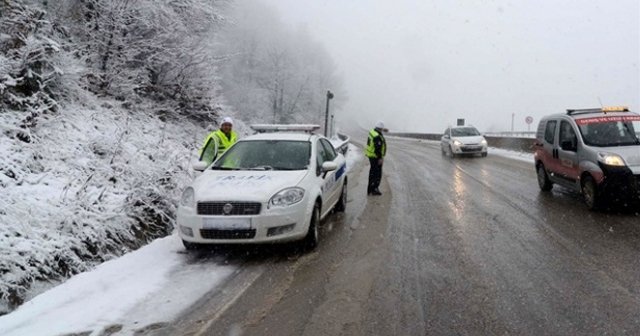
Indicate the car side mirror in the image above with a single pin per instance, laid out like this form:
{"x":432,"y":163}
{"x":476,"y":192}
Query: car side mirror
{"x":199,"y":165}
{"x":329,"y":166}
{"x":445,"y":136}
{"x":568,"y":146}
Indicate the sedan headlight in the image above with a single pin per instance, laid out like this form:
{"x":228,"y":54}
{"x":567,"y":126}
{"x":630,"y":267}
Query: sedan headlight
{"x":457,"y":143}
{"x":483,"y":142}
{"x":188,"y":198}
{"x":611,"y":159}
{"x":287,"y":197}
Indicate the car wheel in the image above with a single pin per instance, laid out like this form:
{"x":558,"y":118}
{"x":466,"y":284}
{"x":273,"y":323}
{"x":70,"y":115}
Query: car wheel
{"x":453,"y":155}
{"x":341,"y":206}
{"x":310,"y":241}
{"x":443,"y":151}
{"x":590,"y":193}
{"x":484,"y":154}
{"x":543,"y":179}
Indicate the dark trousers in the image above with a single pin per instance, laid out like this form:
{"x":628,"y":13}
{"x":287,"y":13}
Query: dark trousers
{"x":375,"y":175}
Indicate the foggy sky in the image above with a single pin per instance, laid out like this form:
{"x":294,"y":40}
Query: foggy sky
{"x":419,"y":65}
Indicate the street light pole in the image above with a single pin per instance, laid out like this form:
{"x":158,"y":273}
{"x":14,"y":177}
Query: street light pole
{"x":326,"y":113}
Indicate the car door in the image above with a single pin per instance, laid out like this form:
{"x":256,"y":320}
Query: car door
{"x":551,"y":146}
{"x":327,"y":179}
{"x":567,"y":152}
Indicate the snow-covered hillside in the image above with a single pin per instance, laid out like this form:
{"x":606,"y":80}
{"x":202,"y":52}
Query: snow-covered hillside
{"x":93,"y":182}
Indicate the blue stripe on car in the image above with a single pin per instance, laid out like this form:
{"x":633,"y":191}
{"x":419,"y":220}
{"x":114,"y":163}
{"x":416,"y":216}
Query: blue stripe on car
{"x":341,"y":171}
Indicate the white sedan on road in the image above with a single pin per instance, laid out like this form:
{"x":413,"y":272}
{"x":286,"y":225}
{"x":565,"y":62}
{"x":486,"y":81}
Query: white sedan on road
{"x":463,"y":140}
{"x":268,"y":187}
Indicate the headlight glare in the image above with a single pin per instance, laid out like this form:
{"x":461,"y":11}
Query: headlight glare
{"x":287,"y":197}
{"x":611,"y":159}
{"x":483,"y":142}
{"x":188,"y":198}
{"x":457,"y":143}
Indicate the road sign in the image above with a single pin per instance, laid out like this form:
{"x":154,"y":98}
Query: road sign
{"x":528,"y":120}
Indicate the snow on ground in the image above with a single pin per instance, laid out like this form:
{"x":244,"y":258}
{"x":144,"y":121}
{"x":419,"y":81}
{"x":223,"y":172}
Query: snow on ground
{"x":150,"y":285}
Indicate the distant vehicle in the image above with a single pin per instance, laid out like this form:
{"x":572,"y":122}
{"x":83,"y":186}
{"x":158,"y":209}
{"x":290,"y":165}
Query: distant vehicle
{"x":463,"y":140}
{"x":592,"y":151}
{"x":275,"y":186}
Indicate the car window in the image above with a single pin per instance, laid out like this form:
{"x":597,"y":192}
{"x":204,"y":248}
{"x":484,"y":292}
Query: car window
{"x":446,"y":132}
{"x":209,"y":151}
{"x":568,"y":134}
{"x":610,"y":133}
{"x":266,"y":155}
{"x":550,"y":131}
{"x":464,"y":131}
{"x":329,"y":151}
{"x":320,"y":155}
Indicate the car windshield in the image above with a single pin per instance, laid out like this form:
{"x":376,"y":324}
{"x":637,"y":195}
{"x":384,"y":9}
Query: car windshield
{"x":266,"y":155}
{"x":610,"y":133}
{"x":464,"y":131}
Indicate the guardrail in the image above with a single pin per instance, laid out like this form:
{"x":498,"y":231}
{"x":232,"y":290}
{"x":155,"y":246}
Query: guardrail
{"x":523,"y":144}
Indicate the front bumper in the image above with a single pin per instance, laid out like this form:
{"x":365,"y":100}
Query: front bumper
{"x":469,"y":149}
{"x":619,"y":184}
{"x":278,"y":224}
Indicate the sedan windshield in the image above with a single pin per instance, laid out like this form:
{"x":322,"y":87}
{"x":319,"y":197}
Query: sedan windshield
{"x":464,"y":131}
{"x":266,"y":155}
{"x":610,"y":133}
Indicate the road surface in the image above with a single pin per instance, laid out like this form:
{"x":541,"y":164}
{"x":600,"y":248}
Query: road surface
{"x":466,"y":246}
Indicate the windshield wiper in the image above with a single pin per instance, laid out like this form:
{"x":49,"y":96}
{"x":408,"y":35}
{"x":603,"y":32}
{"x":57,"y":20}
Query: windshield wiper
{"x":289,"y":168}
{"x":224,"y":168}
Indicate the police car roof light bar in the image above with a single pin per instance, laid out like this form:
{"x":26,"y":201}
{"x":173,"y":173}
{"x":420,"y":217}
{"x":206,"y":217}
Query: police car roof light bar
{"x":264,"y":128}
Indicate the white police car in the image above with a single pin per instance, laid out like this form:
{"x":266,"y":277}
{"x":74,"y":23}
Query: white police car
{"x":268,"y":187}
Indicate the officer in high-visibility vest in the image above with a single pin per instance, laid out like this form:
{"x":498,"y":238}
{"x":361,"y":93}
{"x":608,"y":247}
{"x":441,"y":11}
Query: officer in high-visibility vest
{"x":219,"y":141}
{"x":375,"y":151}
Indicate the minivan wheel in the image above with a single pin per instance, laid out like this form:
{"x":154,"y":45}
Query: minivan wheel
{"x":310,"y":241}
{"x":543,"y":179}
{"x":590,"y":193}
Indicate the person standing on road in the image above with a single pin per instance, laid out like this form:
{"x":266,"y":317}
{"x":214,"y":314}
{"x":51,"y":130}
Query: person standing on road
{"x":217,"y":142}
{"x":375,"y":151}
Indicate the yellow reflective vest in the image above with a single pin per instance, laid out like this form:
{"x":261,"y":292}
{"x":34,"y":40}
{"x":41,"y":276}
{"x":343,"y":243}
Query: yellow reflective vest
{"x":370,"y":151}
{"x":221,"y":140}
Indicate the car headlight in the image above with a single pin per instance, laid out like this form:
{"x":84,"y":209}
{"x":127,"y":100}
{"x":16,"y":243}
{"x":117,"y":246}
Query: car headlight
{"x":611,"y":159}
{"x":483,"y":142}
{"x":457,"y":143}
{"x":188,"y":198}
{"x":287,"y":197}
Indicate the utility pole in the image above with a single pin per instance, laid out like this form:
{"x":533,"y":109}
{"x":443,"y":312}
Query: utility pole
{"x":512,"y":116}
{"x":326,"y":113}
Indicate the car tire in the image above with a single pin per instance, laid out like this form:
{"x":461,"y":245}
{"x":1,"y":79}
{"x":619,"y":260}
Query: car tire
{"x":590,"y":193}
{"x":543,"y":179}
{"x":453,"y":155}
{"x":341,"y":206}
{"x":310,"y":241}
{"x":484,"y":154}
{"x":443,"y":151}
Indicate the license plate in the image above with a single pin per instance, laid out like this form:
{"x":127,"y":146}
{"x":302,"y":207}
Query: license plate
{"x":227,"y":223}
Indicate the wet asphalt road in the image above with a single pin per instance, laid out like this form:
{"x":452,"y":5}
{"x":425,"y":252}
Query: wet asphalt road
{"x":465,"y":246}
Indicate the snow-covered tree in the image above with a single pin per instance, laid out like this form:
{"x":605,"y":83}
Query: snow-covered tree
{"x":275,"y":74}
